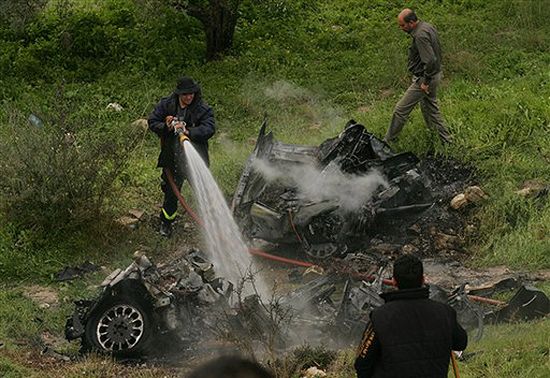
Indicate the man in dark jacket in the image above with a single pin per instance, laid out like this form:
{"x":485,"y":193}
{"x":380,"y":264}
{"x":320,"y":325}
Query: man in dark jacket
{"x":182,"y":111}
{"x":410,"y":335}
{"x":425,"y":66}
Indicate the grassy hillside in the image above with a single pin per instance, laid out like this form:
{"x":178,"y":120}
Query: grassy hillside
{"x":310,"y":66}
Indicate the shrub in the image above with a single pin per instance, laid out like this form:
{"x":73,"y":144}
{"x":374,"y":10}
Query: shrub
{"x":57,"y":176}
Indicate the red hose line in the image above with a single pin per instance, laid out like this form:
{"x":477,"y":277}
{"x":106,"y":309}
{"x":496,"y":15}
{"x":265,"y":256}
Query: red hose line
{"x":259,"y":252}
{"x":174,"y":187}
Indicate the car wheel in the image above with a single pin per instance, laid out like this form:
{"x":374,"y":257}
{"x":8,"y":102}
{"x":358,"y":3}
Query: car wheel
{"x":120,"y":326}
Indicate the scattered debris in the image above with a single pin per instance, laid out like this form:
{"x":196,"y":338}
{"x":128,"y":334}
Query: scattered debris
{"x":185,"y":300}
{"x":405,"y":210}
{"x":70,"y":273}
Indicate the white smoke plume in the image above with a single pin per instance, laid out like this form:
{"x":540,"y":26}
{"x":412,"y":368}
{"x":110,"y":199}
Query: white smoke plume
{"x":351,"y":191}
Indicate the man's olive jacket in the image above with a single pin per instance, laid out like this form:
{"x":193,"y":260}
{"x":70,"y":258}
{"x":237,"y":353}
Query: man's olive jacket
{"x":424,"y":52}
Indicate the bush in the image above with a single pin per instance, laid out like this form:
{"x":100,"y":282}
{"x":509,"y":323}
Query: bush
{"x":57,"y":176}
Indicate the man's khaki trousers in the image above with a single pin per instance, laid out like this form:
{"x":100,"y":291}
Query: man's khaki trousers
{"x":428,"y":105}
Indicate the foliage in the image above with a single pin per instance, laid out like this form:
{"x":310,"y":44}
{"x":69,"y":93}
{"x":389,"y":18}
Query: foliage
{"x":59,"y":172}
{"x":16,"y":14}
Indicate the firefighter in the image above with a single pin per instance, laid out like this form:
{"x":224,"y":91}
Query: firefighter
{"x":183,"y":111}
{"x":410,"y":335}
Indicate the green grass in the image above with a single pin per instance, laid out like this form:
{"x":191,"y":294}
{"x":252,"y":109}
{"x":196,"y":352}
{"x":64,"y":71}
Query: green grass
{"x":310,"y":66}
{"x":513,"y":350}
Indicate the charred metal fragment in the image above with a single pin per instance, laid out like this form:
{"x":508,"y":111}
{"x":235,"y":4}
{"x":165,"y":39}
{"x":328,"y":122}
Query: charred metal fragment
{"x":279,"y":213}
{"x":527,"y":304}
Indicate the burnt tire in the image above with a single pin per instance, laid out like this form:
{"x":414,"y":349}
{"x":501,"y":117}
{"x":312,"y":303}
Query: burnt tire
{"x":120,"y":326}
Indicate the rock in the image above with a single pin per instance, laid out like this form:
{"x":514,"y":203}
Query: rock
{"x":475,"y":194}
{"x":444,"y":241}
{"x":409,"y":249}
{"x":114,"y":106}
{"x":136,"y":213}
{"x":314,"y":372}
{"x":127,"y":221}
{"x":459,"y":201}
{"x":141,"y":123}
{"x":472,"y":194}
{"x":532,"y":188}
{"x":131,"y":220}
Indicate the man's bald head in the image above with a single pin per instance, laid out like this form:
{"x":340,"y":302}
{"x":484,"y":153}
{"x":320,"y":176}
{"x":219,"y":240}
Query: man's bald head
{"x":407,"y":20}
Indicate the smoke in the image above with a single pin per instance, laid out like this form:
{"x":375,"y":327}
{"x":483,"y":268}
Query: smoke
{"x":350,"y":191}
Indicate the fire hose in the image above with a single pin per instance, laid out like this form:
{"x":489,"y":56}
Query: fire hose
{"x":253,"y":251}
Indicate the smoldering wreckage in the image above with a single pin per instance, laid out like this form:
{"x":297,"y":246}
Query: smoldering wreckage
{"x":403,"y":207}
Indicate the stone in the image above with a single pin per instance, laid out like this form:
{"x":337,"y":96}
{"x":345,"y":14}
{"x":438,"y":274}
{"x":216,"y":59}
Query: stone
{"x":141,"y":123}
{"x":314,"y":372}
{"x":114,"y":106}
{"x":459,"y":201}
{"x":409,"y":249}
{"x":475,"y":194}
{"x":531,"y":188}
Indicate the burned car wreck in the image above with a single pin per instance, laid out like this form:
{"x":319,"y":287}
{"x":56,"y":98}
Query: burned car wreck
{"x":325,"y":198}
{"x":182,"y":301}
{"x":142,"y":302}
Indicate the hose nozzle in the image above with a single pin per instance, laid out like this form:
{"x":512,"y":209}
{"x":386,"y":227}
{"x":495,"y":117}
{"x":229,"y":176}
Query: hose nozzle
{"x":179,"y":130}
{"x":182,"y":137}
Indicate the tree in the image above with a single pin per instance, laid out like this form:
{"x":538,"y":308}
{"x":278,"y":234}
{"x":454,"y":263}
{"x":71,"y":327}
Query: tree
{"x":218,"y":17}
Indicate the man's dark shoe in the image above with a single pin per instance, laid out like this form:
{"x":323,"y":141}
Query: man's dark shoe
{"x":165,"y":229}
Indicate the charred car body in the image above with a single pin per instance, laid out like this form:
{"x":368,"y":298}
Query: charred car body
{"x":143,"y":306}
{"x":279,"y":211}
{"x":142,"y":302}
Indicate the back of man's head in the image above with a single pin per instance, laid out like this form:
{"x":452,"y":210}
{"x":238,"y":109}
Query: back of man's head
{"x":408,"y":272}
{"x":230,"y":367}
{"x":409,"y":16}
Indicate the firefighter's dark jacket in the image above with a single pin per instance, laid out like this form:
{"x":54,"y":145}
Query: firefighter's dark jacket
{"x":409,"y":336}
{"x":199,"y":118}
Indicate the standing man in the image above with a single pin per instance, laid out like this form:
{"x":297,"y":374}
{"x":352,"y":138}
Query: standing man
{"x":182,"y":111}
{"x":425,"y":66}
{"x":410,"y":335}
